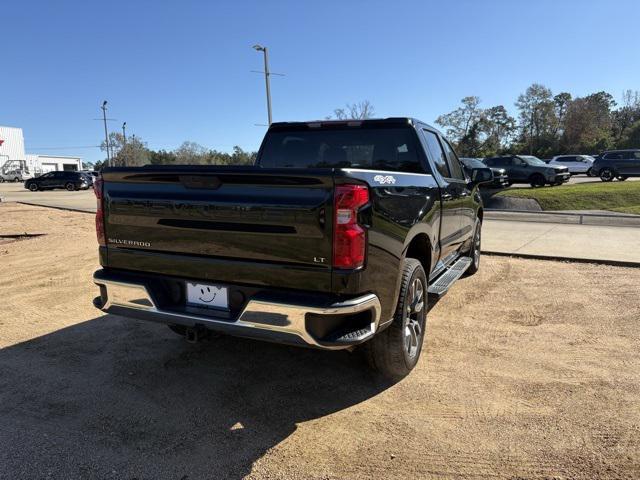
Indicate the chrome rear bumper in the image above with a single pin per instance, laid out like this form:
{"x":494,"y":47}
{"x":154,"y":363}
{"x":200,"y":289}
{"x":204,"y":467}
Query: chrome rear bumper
{"x":261,"y":317}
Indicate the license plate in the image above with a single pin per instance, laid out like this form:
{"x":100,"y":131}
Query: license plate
{"x":206,"y":295}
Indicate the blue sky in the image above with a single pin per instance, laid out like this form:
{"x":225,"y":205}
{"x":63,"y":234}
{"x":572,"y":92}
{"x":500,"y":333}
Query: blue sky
{"x":180,"y":70}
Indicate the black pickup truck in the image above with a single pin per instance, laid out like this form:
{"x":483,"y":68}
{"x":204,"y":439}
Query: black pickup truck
{"x":334,"y":238}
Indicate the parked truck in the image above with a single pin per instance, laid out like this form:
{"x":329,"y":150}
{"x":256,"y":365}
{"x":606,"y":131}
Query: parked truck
{"x":334,"y":239}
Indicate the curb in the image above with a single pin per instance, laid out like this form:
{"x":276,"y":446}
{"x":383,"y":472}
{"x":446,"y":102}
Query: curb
{"x":594,"y":261}
{"x":69,"y":209}
{"x":569,"y":218}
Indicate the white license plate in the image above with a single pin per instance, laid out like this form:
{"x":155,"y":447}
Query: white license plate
{"x":205,"y":295}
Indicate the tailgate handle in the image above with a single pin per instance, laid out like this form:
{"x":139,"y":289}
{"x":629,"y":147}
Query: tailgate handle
{"x":200,"y":181}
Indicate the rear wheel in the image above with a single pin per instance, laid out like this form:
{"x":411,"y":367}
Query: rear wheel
{"x":1,"y":179}
{"x":537,"y":180}
{"x":33,"y":187}
{"x":70,"y":186}
{"x":607,"y":175}
{"x":590,"y":173}
{"x":395,"y":351}
{"x":16,"y":180}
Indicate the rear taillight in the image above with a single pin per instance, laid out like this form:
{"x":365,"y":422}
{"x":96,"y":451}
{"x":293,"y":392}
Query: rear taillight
{"x":349,"y":238}
{"x":97,"y":189}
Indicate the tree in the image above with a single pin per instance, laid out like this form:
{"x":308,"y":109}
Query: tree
{"x":356,"y":111}
{"x":132,"y":152}
{"x":627,"y":115}
{"x":538,"y":121}
{"x":458,"y":122}
{"x":191,"y":153}
{"x":588,"y":124}
{"x":498,"y":127}
{"x":631,"y":138}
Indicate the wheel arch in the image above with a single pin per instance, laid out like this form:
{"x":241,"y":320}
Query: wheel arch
{"x":421,"y":249}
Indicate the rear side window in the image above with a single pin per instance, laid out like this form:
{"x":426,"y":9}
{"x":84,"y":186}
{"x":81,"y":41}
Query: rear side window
{"x":436,"y":153}
{"x":613,"y":156}
{"x":369,"y":148}
{"x":454,"y":163}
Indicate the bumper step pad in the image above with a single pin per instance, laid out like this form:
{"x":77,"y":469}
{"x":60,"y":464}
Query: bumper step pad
{"x":442,"y":284}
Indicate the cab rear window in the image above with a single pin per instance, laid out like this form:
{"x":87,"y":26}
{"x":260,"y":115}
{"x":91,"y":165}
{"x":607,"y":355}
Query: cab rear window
{"x":368,"y":148}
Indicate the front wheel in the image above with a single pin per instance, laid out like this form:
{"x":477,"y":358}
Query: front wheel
{"x":537,"y":180}
{"x":1,"y":179}
{"x":395,"y":351}
{"x":607,"y":175}
{"x":33,"y":187}
{"x":474,"y":252}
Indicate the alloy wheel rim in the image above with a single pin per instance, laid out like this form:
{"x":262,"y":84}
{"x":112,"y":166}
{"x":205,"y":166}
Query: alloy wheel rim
{"x":413,"y":318}
{"x":476,"y":248}
{"x":607,"y":174}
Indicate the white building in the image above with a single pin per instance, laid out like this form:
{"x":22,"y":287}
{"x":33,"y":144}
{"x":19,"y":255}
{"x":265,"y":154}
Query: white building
{"x":13,"y":156}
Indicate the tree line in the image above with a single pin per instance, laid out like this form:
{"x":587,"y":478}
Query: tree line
{"x":134,"y":152}
{"x":546,"y":124}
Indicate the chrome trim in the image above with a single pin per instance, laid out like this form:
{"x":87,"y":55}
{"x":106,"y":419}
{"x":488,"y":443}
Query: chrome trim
{"x":258,"y":314}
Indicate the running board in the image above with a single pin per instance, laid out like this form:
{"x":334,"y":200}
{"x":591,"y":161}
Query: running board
{"x":448,"y":278}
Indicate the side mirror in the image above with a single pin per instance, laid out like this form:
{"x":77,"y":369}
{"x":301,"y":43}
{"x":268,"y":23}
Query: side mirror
{"x":481,"y":175}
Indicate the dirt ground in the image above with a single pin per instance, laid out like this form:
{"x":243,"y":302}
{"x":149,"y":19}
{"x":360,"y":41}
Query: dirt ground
{"x":531,"y":370}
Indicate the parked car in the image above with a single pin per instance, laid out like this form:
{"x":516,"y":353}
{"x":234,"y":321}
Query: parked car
{"x":575,"y":163}
{"x":529,"y":169}
{"x":620,"y":164}
{"x":334,"y":239}
{"x":91,"y":176}
{"x":15,"y":176}
{"x":63,"y":179}
{"x":500,"y":177}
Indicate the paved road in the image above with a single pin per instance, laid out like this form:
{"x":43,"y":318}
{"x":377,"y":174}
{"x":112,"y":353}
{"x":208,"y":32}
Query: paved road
{"x":585,"y":242}
{"x":83,"y":200}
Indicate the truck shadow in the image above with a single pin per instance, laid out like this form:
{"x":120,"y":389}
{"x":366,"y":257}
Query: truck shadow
{"x":124,"y":399}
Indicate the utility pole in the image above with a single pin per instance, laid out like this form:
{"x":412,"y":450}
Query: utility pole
{"x":106,"y":133}
{"x":267,"y":74}
{"x":124,"y":133}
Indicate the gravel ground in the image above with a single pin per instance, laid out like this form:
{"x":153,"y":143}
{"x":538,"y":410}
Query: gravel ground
{"x":531,"y":370}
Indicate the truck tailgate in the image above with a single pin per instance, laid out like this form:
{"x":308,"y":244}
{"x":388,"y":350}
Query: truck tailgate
{"x":239,"y":215}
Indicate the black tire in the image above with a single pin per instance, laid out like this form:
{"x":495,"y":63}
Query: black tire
{"x":475,"y":250}
{"x":607,"y":174}
{"x":1,"y":179}
{"x":537,"y":180}
{"x":590,"y":173}
{"x":622,"y":178}
{"x":33,"y":187}
{"x":16,"y":180}
{"x":395,"y":351}
{"x":70,"y":186}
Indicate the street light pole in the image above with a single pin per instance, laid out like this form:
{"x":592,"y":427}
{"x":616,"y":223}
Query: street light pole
{"x":262,"y":49}
{"x":106,"y":133}
{"x":124,"y":133}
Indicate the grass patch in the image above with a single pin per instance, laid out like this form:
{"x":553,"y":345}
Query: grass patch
{"x":615,"y":196}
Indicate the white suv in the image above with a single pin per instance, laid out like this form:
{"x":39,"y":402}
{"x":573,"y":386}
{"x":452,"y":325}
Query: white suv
{"x":575,"y":163}
{"x":15,"y":176}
